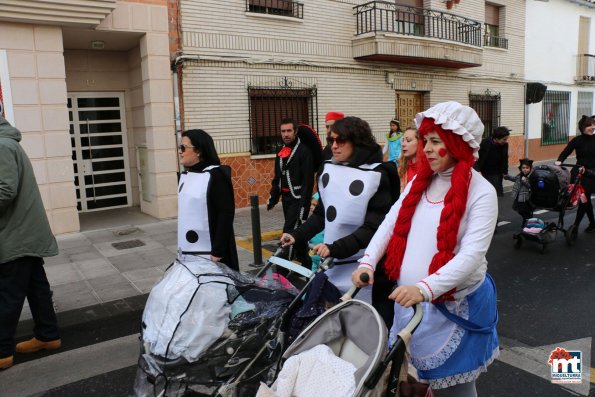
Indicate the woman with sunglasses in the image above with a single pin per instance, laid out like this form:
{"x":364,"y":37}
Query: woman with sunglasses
{"x":435,"y":239}
{"x":355,"y":194}
{"x":205,"y":201}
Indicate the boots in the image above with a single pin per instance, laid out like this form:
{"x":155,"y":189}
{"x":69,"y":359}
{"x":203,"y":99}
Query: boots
{"x":6,"y":362}
{"x":34,"y":344}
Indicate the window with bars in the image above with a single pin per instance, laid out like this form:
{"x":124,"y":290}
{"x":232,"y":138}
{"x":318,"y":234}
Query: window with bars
{"x":584,"y":106}
{"x":555,"y":117}
{"x":286,"y":8}
{"x":487,"y":107}
{"x":268,"y":106}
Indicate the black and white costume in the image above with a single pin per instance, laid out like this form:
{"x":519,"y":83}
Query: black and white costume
{"x":205,"y":213}
{"x":293,"y":182}
{"x":354,"y":198}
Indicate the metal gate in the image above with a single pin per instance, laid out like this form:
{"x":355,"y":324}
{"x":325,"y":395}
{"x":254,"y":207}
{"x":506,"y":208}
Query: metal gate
{"x":99,"y":150}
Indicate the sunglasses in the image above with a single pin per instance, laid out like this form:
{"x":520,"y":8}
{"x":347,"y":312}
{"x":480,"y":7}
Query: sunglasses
{"x":183,"y":147}
{"x":340,"y":140}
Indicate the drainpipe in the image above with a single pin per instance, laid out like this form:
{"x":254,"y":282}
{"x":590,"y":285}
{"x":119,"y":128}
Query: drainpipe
{"x":526,"y":115}
{"x":177,"y":117}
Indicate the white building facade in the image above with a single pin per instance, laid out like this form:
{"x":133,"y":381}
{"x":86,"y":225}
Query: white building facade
{"x":560,"y":48}
{"x":245,"y":64}
{"x":89,"y":85}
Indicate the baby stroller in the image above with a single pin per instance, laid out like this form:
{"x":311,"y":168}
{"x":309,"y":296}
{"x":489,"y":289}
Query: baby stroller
{"x":356,"y":334}
{"x":552,"y":189}
{"x":210,"y":331}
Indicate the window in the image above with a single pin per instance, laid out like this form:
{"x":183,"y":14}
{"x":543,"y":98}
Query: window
{"x":492,"y":34}
{"x":286,"y":8}
{"x":409,"y":17}
{"x":584,"y":106}
{"x":487,"y":107}
{"x":269,"y":105}
{"x":555,"y":117}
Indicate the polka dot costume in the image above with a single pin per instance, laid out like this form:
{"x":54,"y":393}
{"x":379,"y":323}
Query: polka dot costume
{"x":346,"y":192}
{"x":193,"y":217}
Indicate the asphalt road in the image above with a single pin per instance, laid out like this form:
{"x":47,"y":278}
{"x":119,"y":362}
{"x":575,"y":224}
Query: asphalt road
{"x":544,"y":299}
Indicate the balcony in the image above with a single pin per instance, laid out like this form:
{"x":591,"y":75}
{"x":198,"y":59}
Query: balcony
{"x":81,"y":13}
{"x":391,"y":32}
{"x":284,"y":8}
{"x":585,"y":68}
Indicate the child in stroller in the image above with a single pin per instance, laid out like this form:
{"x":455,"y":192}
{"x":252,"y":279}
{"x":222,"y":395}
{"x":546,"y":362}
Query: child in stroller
{"x":521,"y":190}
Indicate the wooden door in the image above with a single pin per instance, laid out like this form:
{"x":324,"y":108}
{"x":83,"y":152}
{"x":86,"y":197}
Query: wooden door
{"x":407,"y":105}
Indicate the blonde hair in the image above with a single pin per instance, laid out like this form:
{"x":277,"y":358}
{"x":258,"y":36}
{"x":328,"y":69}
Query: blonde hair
{"x":403,"y":162}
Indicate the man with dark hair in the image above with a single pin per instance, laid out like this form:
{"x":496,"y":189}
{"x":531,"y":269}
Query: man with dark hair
{"x":293,"y":182}
{"x":25,"y":239}
{"x":493,"y":158}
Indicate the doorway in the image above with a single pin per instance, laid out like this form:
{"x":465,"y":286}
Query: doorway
{"x":99,"y":150}
{"x":407,"y":105}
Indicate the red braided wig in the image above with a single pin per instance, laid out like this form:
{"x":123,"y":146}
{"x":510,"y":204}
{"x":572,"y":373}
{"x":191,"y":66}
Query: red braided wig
{"x":455,"y":201}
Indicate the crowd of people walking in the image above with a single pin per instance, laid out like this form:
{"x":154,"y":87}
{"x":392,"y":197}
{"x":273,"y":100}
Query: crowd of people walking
{"x":416,"y":217}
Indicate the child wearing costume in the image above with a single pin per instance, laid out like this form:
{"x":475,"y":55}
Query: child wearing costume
{"x":393,"y":142}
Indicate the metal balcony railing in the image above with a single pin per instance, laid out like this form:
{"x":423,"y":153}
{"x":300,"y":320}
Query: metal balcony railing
{"x":495,"y":41}
{"x":286,"y":8}
{"x":585,"y":67}
{"x":384,"y":16}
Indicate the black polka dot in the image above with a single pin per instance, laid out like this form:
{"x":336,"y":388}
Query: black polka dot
{"x":331,"y":213}
{"x":356,"y":188}
{"x":181,"y":186}
{"x":192,"y":236}
{"x":325,"y":178}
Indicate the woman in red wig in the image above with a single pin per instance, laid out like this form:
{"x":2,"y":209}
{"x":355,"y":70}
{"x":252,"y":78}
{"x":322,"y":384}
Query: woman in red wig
{"x":445,"y":270}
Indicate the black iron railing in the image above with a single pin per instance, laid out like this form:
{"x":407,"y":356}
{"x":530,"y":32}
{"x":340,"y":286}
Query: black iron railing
{"x":585,"y":67}
{"x":384,"y":16}
{"x":286,"y":8}
{"x":487,"y":107}
{"x":492,"y":38}
{"x":555,"y":119}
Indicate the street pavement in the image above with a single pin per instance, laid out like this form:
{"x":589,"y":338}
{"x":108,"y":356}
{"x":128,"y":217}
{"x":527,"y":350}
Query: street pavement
{"x":100,"y":289}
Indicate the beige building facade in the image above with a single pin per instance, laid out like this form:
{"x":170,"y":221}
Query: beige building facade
{"x":244,"y":64}
{"x":89,"y":85}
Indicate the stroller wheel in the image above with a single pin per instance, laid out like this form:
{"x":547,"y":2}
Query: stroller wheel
{"x":518,"y":242}
{"x":571,"y":235}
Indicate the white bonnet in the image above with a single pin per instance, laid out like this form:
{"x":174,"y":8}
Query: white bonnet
{"x":459,"y":119}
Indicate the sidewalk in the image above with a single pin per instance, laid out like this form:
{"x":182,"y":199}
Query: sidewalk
{"x":111,"y":264}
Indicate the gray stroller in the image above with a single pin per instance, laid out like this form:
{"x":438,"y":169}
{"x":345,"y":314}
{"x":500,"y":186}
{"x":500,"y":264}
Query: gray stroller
{"x":356,"y":333}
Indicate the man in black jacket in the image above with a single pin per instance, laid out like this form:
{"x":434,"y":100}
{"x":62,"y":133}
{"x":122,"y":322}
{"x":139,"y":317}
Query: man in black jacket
{"x":493,"y":158}
{"x":293,"y":183}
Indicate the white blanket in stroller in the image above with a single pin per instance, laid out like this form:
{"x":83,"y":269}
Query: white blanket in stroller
{"x":184,"y":313}
{"x":313,"y":373}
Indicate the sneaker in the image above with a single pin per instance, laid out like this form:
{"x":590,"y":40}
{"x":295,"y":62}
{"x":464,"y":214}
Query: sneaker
{"x":590,"y":228}
{"x":6,"y":362}
{"x":34,"y":344}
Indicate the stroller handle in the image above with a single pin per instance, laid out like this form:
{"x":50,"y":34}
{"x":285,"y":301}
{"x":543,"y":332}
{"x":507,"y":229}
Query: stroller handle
{"x":585,"y":170}
{"x":364,"y":278}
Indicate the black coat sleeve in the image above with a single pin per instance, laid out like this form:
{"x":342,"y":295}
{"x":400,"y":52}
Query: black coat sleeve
{"x":567,"y":150}
{"x":483,"y":152}
{"x":275,"y":185}
{"x":221,"y":212}
{"x":505,"y":160}
{"x":378,"y":207}
{"x":307,"y":166}
{"x":313,"y":225}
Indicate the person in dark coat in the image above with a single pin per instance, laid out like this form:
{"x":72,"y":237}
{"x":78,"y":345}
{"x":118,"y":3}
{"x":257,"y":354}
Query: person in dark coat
{"x":355,"y":195}
{"x":493,"y":158}
{"x":293,"y":183}
{"x":205,"y":192}
{"x":584,"y":146}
